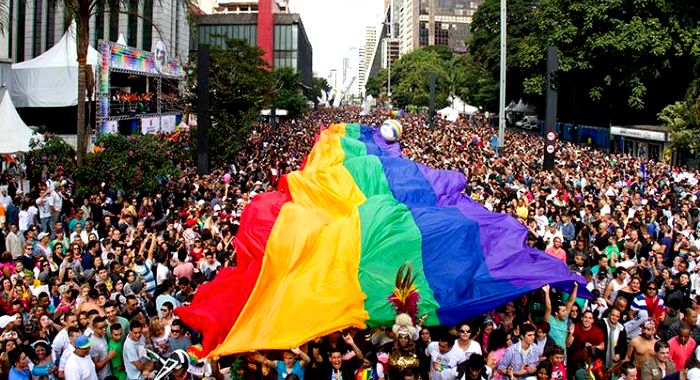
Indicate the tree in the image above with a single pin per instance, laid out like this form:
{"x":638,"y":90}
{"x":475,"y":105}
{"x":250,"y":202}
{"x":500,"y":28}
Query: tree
{"x":81,"y":11}
{"x":289,"y":91}
{"x":240,"y":86}
{"x":4,"y":15}
{"x":377,"y":83}
{"x":682,"y":119}
{"x":618,"y":60}
{"x":318,"y":84}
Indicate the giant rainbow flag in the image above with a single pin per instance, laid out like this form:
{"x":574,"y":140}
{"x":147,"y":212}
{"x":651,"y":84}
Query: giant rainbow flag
{"x":321,"y":254}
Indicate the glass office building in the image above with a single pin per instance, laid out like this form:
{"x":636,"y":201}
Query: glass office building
{"x":291,"y":45}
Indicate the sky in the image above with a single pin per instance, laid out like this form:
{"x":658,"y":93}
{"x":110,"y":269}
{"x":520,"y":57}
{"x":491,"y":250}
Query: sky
{"x":334,"y":26}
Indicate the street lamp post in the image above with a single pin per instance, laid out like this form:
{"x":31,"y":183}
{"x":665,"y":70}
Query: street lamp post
{"x":502,"y":97}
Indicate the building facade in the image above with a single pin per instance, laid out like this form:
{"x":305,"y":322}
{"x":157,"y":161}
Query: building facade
{"x":369,"y":51}
{"x":290,"y":44}
{"x":436,"y":22}
{"x":35,"y":26}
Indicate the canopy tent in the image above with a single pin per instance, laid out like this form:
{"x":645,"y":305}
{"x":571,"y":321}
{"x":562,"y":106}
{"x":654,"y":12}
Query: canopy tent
{"x":527,"y":109}
{"x":51,"y":79}
{"x":449,"y":114}
{"x":15,"y":136}
{"x":462,"y":107}
{"x":278,"y":112}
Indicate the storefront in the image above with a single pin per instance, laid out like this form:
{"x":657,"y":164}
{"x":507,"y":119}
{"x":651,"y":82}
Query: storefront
{"x":138,"y":91}
{"x":644,"y":141}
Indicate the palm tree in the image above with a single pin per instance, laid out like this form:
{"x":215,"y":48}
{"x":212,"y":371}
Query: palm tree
{"x":81,"y":11}
{"x":4,"y":15}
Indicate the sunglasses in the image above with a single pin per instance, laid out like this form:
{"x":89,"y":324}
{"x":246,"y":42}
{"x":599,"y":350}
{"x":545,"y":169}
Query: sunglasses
{"x":175,"y":331}
{"x":463,"y":331}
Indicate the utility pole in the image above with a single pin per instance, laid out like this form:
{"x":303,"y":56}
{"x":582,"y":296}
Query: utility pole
{"x":550,"y":120}
{"x":203,"y":120}
{"x":502,"y":97}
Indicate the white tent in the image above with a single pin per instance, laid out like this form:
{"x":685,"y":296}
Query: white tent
{"x":121,"y":40}
{"x":449,"y":114}
{"x":462,"y":107}
{"x":51,"y":79}
{"x":278,"y":112}
{"x":14,"y":134}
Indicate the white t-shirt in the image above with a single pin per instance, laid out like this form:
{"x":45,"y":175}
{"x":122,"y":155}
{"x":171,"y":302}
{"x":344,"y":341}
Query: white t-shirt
{"x":45,"y":207}
{"x":80,"y":368}
{"x":23,"y":220}
{"x":33,"y":212}
{"x":447,"y":360}
{"x":462,"y":355}
{"x":163,"y":272}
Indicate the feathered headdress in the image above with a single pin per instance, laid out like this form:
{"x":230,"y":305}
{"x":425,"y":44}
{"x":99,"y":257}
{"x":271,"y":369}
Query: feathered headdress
{"x":405,"y":295}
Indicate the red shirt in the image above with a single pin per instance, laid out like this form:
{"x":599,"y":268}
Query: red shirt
{"x":679,"y":355}
{"x":594,"y":337}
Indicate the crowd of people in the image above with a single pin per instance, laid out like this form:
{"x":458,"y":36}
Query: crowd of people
{"x":89,"y":286}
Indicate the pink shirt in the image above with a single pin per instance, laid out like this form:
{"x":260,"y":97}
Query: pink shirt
{"x":679,"y":355}
{"x":184,"y":270}
{"x":558,"y":253}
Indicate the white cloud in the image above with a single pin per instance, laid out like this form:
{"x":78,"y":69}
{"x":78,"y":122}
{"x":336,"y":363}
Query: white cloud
{"x":334,"y":26}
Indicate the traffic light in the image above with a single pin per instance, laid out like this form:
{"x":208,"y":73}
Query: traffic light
{"x":554,"y":80}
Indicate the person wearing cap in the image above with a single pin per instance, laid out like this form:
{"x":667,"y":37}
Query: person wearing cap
{"x":642,"y":346}
{"x":79,"y":365}
{"x":43,"y":248}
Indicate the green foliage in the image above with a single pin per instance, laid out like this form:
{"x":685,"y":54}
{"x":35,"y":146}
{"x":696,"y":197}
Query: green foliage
{"x":289,"y":92}
{"x":240,"y":86}
{"x":318,"y":84}
{"x":615,"y":56}
{"x":376,"y":84}
{"x":133,"y":164}
{"x":52,"y":156}
{"x":682,"y":119}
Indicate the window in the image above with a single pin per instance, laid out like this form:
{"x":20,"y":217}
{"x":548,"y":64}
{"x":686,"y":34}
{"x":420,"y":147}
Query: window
{"x":147,"y":36}
{"x":10,"y":28}
{"x":133,"y":23}
{"x":50,"y":25}
{"x":21,"y":25}
{"x":38,"y":15}
{"x":99,"y":21}
{"x":114,"y":23}
{"x":423,"y":33}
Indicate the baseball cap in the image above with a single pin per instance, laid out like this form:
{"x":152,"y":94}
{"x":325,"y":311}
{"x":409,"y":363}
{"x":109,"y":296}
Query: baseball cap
{"x":82,"y":342}
{"x":7,"y":319}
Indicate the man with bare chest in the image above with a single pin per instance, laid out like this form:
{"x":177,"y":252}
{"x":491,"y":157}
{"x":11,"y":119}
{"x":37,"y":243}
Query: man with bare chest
{"x":642,"y":346}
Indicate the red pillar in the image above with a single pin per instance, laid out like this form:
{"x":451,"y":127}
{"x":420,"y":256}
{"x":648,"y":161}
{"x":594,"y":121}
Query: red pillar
{"x":266,"y":22}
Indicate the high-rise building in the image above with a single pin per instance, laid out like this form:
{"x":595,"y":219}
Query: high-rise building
{"x":353,"y":56}
{"x":240,"y":6}
{"x":280,"y":35}
{"x":35,"y":26}
{"x":362,"y":71}
{"x":370,"y":49}
{"x":390,"y":51}
{"x":436,"y":22}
